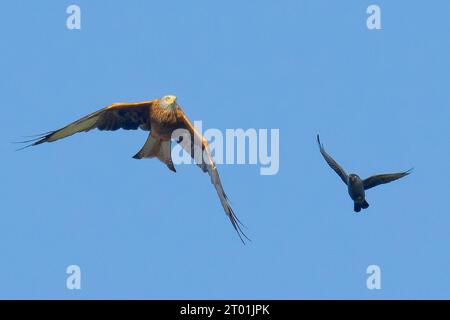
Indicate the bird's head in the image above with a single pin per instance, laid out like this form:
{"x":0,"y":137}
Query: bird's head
{"x":168,"y":102}
{"x":353,"y":177}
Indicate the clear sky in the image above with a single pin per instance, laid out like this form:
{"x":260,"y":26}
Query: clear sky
{"x":378,"y":98}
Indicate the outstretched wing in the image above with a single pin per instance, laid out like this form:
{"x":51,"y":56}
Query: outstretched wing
{"x":376,"y":180}
{"x":333,"y":164}
{"x":128,"y":116}
{"x":199,"y":151}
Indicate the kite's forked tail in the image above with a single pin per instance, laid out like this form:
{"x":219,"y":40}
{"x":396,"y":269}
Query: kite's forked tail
{"x":157,"y":148}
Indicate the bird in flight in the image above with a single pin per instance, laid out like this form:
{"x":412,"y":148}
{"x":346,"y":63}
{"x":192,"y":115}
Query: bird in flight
{"x":161,"y":117}
{"x":357,"y":186}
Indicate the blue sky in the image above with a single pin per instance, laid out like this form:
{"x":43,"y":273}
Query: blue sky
{"x":379,"y":100}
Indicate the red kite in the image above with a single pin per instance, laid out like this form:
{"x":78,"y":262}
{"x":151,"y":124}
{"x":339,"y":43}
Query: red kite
{"x":161,"y":117}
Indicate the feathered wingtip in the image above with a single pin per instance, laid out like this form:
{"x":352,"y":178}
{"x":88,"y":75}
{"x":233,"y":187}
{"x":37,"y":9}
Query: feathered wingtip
{"x":407,"y":172}
{"x":37,"y":139}
{"x":237,"y":224}
{"x":319,"y":142}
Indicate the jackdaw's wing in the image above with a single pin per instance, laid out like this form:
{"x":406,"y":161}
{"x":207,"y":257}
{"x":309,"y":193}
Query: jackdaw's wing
{"x":333,"y":164}
{"x":378,"y":179}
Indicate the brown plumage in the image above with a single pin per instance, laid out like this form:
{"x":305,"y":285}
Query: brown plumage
{"x":161,"y":117}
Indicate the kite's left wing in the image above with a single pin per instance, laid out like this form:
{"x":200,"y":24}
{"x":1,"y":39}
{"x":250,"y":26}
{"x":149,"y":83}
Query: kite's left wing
{"x":199,"y":145}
